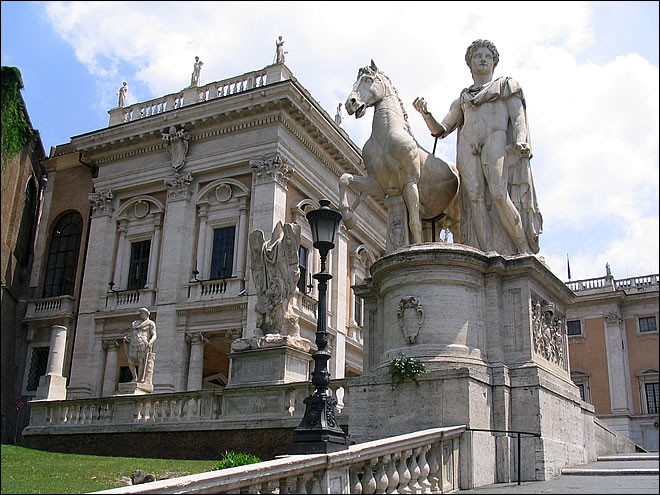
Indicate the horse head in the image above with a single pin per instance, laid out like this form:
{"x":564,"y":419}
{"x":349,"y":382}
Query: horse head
{"x":369,"y":88}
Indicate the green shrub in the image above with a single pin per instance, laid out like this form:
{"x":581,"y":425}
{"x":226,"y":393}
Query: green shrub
{"x":233,"y":459}
{"x":403,"y":367}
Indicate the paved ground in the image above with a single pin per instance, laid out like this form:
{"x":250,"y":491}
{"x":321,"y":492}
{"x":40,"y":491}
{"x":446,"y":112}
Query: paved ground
{"x":630,"y":473}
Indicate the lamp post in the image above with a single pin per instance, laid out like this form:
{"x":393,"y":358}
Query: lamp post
{"x":318,"y":432}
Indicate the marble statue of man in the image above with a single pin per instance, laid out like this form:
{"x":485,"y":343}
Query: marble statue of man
{"x":275,"y":273}
{"x":279,"y":51}
{"x":499,"y":208}
{"x":122,"y":95}
{"x":139,"y":344}
{"x":197,"y":68}
{"x":338,"y":115}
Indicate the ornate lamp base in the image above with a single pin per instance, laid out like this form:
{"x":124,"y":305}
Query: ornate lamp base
{"x":318,"y":432}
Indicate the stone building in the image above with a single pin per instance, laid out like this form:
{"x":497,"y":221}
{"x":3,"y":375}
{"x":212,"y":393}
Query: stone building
{"x":155,"y":211}
{"x":613,"y":344}
{"x":22,"y":187}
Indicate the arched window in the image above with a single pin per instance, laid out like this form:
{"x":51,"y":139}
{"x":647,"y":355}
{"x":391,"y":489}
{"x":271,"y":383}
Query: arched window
{"x":63,"y":256}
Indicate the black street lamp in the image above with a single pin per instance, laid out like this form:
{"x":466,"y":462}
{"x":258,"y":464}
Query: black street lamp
{"x":318,"y":432}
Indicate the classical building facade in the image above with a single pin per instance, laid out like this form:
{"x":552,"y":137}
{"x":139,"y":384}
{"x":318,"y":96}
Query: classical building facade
{"x":155,"y":211}
{"x":613,"y":344}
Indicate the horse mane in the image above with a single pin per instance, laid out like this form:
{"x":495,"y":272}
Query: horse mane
{"x":371,"y":72}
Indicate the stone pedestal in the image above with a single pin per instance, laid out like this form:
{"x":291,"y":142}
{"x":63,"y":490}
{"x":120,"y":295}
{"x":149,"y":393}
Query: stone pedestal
{"x":134,"y":388}
{"x":271,"y":363}
{"x":491,"y":333}
{"x":51,"y":387}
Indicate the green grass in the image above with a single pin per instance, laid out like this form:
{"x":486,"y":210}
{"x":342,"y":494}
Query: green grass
{"x":36,"y":471}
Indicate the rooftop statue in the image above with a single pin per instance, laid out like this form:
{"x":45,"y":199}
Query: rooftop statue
{"x":499,"y":211}
{"x":279,"y":51}
{"x":197,"y":68}
{"x":122,"y":95}
{"x":396,"y":164}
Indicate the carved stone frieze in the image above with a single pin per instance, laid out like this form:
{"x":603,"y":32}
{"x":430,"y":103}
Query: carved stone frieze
{"x":549,"y":332}
{"x":411,"y":317}
{"x":101,"y":202}
{"x":273,"y":168}
{"x":179,"y":187}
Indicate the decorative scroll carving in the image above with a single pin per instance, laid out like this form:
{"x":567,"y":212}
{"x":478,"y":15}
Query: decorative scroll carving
{"x":101,"y":202}
{"x":177,"y":145}
{"x":411,"y":317}
{"x":273,"y":168}
{"x":178,"y":187}
{"x":549,"y":333}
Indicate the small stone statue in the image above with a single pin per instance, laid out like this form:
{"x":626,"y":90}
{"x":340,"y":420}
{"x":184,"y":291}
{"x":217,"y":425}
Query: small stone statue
{"x":338,"y":115}
{"x":139,"y":345}
{"x":194,"y":79}
{"x":122,"y":95}
{"x":279,"y":51}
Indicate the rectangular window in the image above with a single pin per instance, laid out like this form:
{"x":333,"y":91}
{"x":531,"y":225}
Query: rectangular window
{"x":138,"y":269}
{"x":647,"y":324}
{"x":38,"y":363}
{"x":303,"y":253}
{"x":574,"y":327}
{"x":652,"y":390}
{"x":222,"y":259}
{"x":359,"y":304}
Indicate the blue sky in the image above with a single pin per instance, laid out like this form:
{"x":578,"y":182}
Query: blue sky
{"x":589,"y":71}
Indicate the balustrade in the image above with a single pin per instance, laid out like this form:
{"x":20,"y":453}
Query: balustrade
{"x":50,"y":306}
{"x":217,"y":89}
{"x":420,"y":462}
{"x":639,"y":283}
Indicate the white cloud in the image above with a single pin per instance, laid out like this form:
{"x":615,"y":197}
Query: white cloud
{"x":594,"y":126}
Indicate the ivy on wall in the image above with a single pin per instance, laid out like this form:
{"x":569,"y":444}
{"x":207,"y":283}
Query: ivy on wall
{"x":16,"y":128}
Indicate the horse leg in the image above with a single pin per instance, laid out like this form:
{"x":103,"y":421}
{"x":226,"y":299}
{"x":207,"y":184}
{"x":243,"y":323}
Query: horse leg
{"x":411,"y":197}
{"x":366,"y":185}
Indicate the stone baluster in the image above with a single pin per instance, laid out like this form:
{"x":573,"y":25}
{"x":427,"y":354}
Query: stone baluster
{"x":404,"y":472}
{"x":415,"y":472}
{"x":354,"y":479}
{"x":425,"y":470}
{"x":138,"y":412}
{"x":303,"y":483}
{"x":434,"y":468}
{"x":287,"y":485}
{"x":368,"y":480}
{"x":316,"y":482}
{"x":392,"y":473}
{"x":381,"y":476}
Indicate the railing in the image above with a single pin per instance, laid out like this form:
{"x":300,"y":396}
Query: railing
{"x":50,"y":306}
{"x":638,"y":283}
{"x":516,"y":432}
{"x":189,"y":96}
{"x":126,"y":299}
{"x":421,"y":462}
{"x":210,"y":405}
{"x":306,"y":304}
{"x":204,"y":290}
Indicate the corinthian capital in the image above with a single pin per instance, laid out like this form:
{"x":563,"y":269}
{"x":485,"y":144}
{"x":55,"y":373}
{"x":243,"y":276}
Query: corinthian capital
{"x":101,"y":202}
{"x":272,"y":168}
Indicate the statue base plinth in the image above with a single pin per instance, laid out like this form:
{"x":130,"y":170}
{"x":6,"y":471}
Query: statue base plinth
{"x":135,"y":388}
{"x":270,"y":360}
{"x":51,"y":387}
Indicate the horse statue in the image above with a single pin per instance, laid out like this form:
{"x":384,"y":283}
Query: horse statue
{"x":396,"y":164}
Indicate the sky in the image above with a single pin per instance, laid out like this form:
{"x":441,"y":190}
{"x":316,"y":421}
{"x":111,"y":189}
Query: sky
{"x":589,"y":72}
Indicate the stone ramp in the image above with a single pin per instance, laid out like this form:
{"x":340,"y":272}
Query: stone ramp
{"x":621,"y":473}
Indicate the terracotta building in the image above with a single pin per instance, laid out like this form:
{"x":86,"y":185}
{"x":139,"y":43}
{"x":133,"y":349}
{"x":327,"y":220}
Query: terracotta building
{"x":613,"y":344}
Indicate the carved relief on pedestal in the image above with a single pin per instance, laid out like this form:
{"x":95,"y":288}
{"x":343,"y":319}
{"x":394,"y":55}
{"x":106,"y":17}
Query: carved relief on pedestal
{"x":101,"y":202}
{"x":549,"y":333}
{"x":411,"y":317}
{"x":178,"y":187}
{"x":273,"y":168}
